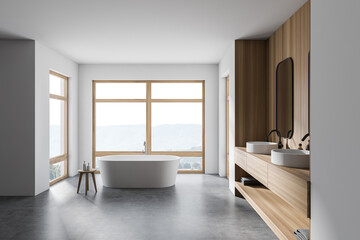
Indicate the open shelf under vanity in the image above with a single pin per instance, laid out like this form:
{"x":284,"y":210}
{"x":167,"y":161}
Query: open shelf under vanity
{"x":278,"y":214}
{"x":283,"y":199}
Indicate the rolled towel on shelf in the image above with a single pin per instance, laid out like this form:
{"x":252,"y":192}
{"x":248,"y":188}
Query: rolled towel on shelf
{"x":297,"y":237}
{"x":302,"y":234}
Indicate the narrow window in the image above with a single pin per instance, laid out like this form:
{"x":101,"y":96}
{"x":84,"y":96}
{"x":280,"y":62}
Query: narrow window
{"x":58,"y":132}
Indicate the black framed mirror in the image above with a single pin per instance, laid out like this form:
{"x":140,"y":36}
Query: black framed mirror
{"x":285,"y":98}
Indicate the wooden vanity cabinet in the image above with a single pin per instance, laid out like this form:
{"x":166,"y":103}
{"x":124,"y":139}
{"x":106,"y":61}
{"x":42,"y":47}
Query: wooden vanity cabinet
{"x":283,"y":200}
{"x":257,"y":168}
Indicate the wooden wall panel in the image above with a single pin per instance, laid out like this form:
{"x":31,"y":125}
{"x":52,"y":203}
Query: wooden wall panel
{"x":278,"y":45}
{"x":286,"y":39}
{"x":275,"y":48}
{"x":271,"y":121}
{"x":306,"y":84}
{"x":250,"y":91}
{"x":296,"y":55}
{"x":292,"y":39}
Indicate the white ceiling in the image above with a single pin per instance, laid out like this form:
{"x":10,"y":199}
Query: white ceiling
{"x":142,"y":31}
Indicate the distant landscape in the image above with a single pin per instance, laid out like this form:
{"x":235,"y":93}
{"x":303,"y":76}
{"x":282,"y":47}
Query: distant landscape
{"x":169,"y":137}
{"x":179,"y":137}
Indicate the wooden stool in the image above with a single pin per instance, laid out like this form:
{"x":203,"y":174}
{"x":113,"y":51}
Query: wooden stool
{"x":92,"y":172}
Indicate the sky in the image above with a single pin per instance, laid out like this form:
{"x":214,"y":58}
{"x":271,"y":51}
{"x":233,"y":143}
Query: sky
{"x":134,"y":113}
{"x":108,"y":114}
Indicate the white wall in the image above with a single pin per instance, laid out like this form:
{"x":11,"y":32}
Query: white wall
{"x":45,"y":60}
{"x":227,"y":68}
{"x":17,"y":61}
{"x":208,"y":72}
{"x":335,"y":119}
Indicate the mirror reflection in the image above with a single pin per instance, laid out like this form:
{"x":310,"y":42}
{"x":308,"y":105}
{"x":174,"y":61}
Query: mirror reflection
{"x":284,"y":98}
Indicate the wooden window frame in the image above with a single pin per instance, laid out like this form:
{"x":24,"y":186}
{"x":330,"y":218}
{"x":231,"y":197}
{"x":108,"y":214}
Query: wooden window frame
{"x":64,"y":157}
{"x":148,"y":100}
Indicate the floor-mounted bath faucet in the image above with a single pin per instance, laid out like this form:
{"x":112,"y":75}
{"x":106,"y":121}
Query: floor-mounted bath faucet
{"x":144,"y":151}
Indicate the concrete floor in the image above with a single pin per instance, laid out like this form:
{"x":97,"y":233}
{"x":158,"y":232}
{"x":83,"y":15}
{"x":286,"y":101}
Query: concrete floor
{"x":198,"y":207}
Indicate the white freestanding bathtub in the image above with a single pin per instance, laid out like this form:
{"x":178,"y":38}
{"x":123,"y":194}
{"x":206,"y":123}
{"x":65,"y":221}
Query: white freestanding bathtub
{"x":138,"y":171}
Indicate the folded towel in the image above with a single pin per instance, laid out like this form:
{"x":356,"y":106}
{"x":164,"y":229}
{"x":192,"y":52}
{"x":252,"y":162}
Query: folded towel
{"x":249,"y":181}
{"x":297,"y":237}
{"x":302,"y":234}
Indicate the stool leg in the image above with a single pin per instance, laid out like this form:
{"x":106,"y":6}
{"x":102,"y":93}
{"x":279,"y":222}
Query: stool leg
{"x":93,"y":177}
{"x":79,"y":182}
{"x":87,"y":183}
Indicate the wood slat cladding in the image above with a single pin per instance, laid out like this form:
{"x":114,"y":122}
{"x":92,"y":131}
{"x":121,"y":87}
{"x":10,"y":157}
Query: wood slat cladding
{"x":271,"y":91}
{"x":255,"y":80}
{"x":292,"y":39}
{"x":250,"y":88}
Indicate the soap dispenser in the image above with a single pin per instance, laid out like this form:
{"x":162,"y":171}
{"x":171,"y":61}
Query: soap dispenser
{"x":84,"y":166}
{"x":300,"y":147}
{"x":88,"y":167}
{"x":308,"y":146}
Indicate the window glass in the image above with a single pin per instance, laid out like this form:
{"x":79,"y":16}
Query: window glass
{"x":57,"y":170}
{"x":56,"y":85}
{"x":97,"y":166}
{"x":190,"y":163}
{"x":176,"y":126}
{"x":57,"y":131}
{"x":120,"y":126}
{"x":176,"y":90}
{"x":121,"y":90}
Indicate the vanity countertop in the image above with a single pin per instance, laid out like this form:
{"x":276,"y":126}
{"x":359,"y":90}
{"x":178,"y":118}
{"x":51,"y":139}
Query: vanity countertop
{"x":299,"y":172}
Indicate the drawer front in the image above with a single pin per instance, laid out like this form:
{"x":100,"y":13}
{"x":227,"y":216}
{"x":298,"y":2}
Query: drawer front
{"x":257,"y":168}
{"x":240,"y":158}
{"x":293,"y":190}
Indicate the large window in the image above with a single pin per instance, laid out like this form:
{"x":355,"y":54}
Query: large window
{"x":167,"y":115}
{"x":58,"y":116}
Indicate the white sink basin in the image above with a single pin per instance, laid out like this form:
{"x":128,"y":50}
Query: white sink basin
{"x":291,"y":158}
{"x":261,"y":147}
